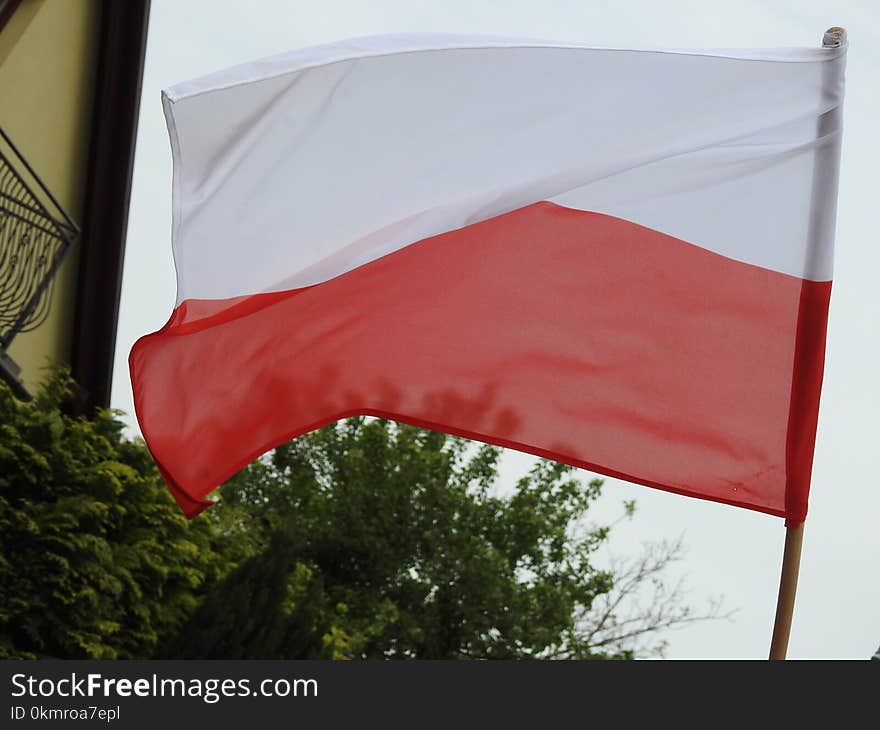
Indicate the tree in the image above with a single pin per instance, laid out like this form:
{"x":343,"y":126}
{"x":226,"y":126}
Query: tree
{"x":400,"y":547}
{"x":96,"y":560}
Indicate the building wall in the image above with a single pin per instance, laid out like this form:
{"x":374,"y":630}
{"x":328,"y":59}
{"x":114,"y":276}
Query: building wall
{"x":47,"y":76}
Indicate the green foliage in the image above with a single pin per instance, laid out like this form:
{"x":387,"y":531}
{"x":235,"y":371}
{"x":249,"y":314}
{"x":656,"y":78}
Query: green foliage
{"x":96,"y":560}
{"x":271,"y":608}
{"x":406,"y":549}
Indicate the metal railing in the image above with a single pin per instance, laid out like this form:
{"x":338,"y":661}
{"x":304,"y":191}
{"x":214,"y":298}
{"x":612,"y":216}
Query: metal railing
{"x":35,"y":235}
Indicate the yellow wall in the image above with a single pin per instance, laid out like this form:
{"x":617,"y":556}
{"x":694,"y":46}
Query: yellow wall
{"x":47,"y":76}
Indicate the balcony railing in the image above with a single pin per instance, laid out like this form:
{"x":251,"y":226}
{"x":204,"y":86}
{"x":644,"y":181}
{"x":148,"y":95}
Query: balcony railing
{"x":35,"y":235}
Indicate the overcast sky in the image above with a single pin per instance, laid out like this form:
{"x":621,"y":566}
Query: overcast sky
{"x":732,"y":552}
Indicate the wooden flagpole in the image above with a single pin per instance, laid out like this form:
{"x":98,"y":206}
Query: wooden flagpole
{"x":794,"y":536}
{"x":791,"y":562}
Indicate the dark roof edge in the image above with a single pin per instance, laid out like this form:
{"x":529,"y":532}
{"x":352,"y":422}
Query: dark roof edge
{"x":7,"y":11}
{"x":120,"y":68}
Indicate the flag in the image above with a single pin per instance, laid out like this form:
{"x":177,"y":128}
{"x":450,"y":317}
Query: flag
{"x":618,"y":259}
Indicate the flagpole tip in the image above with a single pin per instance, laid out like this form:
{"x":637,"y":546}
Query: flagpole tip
{"x":834,"y":37}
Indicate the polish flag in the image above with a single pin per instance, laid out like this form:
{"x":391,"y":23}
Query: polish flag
{"x":618,"y":259}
